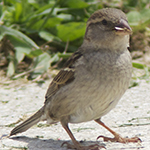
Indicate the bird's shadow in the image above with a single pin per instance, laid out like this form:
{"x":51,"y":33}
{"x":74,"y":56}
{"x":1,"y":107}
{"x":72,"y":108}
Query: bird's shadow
{"x":48,"y":144}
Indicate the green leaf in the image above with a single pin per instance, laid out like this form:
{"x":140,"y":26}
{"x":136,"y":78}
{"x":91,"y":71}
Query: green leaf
{"x":71,"y":31}
{"x":20,"y":45}
{"x":11,"y":69}
{"x":1,"y":13}
{"x":134,"y":18}
{"x":55,"y":58}
{"x":53,"y":21}
{"x":35,"y":53}
{"x":137,"y":18}
{"x":65,"y":17}
{"x":19,"y":56}
{"x":15,"y":33}
{"x":145,"y":13}
{"x":41,"y":64}
{"x":48,"y":36}
{"x":138,"y":65}
{"x":75,"y":3}
{"x":18,"y":11}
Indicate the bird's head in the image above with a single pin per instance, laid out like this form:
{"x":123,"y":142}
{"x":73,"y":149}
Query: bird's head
{"x":109,"y":28}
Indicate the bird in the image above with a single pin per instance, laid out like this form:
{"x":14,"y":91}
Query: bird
{"x":92,"y":80}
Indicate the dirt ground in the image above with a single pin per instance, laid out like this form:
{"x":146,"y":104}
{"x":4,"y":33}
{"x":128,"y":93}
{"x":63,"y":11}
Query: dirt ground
{"x":130,"y":118}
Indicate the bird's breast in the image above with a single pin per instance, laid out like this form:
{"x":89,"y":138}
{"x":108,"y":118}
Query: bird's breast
{"x":103,"y":80}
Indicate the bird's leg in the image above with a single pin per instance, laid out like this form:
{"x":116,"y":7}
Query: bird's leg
{"x":75,"y":142}
{"x":117,"y":137}
{"x":76,"y":145}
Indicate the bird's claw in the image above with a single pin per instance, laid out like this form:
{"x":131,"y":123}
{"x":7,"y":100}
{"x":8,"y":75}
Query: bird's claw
{"x":120,"y":139}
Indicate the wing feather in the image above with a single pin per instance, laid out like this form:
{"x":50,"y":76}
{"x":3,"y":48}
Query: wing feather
{"x":64,"y":76}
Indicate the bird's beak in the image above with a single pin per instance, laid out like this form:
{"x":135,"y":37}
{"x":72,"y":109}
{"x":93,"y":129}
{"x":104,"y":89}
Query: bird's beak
{"x":123,"y":27}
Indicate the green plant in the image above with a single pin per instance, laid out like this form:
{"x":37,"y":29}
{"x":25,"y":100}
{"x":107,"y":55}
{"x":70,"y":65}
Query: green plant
{"x":35,"y":35}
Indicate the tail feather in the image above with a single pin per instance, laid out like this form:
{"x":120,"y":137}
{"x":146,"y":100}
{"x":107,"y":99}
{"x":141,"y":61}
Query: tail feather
{"x":28,"y":123}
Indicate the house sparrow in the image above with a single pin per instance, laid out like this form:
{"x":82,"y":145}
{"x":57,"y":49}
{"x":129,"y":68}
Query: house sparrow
{"x":93,"y":80}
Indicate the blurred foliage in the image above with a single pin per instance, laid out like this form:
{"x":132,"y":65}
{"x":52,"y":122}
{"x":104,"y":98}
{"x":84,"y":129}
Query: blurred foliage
{"x":36,"y":35}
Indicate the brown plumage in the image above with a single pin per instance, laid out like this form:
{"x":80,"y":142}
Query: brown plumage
{"x":93,"y":80}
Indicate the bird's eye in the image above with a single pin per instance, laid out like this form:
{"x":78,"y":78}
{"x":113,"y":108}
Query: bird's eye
{"x":104,"y":22}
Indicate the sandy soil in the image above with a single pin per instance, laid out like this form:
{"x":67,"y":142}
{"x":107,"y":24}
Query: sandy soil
{"x":130,"y":118}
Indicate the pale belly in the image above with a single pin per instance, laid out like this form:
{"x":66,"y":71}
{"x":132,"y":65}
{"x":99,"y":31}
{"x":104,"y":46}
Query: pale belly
{"x":98,"y":103}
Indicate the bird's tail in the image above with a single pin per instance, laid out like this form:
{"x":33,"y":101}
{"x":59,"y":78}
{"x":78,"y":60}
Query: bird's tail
{"x":28,"y":123}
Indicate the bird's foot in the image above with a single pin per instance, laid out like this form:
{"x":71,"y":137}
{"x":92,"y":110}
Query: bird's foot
{"x":79,"y":147}
{"x":120,"y":139}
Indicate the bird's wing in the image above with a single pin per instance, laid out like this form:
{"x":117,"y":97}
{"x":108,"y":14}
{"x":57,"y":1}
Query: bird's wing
{"x":64,"y":76}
